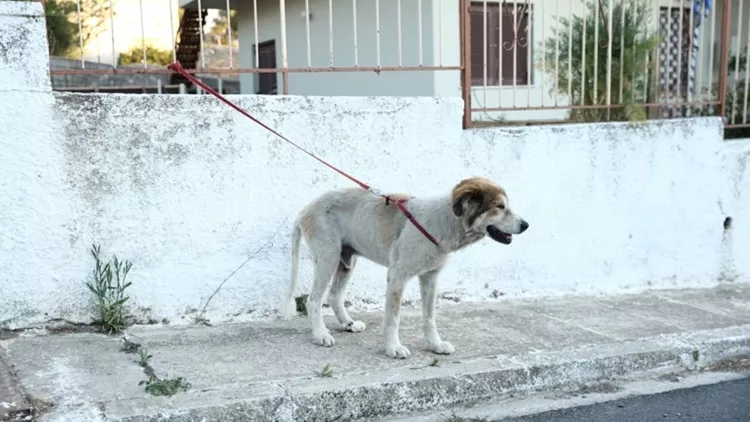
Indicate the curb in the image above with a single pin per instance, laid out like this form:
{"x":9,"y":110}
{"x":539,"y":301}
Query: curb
{"x":402,"y":390}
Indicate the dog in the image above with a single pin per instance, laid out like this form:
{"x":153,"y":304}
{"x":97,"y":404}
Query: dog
{"x":342,"y":225}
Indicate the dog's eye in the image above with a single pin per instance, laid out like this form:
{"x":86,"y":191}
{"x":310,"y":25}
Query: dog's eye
{"x":501,"y":206}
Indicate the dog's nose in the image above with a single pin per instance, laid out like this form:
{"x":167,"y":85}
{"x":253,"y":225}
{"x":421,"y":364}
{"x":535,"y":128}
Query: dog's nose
{"x":524,"y":226}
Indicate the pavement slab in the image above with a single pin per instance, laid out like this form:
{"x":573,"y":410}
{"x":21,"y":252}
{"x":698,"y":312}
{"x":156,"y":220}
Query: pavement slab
{"x":271,"y":371}
{"x":12,"y":401}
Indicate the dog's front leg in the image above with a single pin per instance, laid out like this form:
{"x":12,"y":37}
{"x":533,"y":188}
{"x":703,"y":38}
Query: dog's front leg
{"x":428,"y":291}
{"x":394,"y":293}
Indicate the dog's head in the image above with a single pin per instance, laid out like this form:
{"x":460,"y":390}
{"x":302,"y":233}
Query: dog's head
{"x":484,"y":208}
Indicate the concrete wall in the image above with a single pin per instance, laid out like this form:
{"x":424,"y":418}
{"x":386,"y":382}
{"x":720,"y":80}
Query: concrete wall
{"x":187,"y":189}
{"x":341,"y":83}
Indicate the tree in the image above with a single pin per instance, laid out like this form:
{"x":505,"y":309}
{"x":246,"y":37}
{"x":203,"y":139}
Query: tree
{"x":218,"y":32}
{"x":95,"y":16}
{"x":632,"y":44}
{"x":62,"y":33}
{"x":62,"y":18}
{"x":155,"y":56}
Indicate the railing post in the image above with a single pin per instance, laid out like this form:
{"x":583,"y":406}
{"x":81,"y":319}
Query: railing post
{"x":726,"y":30}
{"x":465,"y":33}
{"x":284,"y":61}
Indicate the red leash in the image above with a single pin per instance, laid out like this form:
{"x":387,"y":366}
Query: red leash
{"x":177,"y":67}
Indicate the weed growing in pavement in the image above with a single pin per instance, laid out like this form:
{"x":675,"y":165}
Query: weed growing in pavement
{"x":154,"y":385}
{"x":143,"y":358}
{"x":165,"y":387}
{"x":301,"y":302}
{"x":108,"y":287}
{"x":327,"y":371}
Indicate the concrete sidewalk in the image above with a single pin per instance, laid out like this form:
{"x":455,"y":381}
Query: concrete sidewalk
{"x":271,"y":370}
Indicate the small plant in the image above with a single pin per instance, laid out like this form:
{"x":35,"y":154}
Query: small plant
{"x":573,"y":45}
{"x":129,"y":346}
{"x":696,"y":355}
{"x":327,"y":371}
{"x":143,"y":358}
{"x":165,"y":387}
{"x":154,"y":385}
{"x":434,"y":362}
{"x":301,"y":302}
{"x":108,"y":287}
{"x":202,"y":320}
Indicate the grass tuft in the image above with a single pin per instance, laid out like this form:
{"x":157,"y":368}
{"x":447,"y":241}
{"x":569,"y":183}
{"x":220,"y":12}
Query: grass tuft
{"x":326,"y":372}
{"x":165,"y":387}
{"x":301,"y":302}
{"x":108,"y":287}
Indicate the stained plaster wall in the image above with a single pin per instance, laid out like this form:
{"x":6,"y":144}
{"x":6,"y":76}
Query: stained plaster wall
{"x":187,"y":189}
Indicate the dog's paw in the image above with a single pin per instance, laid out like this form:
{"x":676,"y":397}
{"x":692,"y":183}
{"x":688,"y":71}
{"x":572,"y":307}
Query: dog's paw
{"x":325,"y":339}
{"x":442,"y":348}
{"x":354,"y":326}
{"x":398,"y":352}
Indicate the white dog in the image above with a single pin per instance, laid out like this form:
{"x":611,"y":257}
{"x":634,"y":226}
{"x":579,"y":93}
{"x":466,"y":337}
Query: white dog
{"x":341,"y":225}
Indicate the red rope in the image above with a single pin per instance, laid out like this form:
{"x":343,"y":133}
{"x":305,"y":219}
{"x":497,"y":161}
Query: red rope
{"x":177,"y":67}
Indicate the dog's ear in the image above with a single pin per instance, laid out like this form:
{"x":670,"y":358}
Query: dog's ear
{"x":465,"y":202}
{"x":473,"y":196}
{"x":458,"y":208}
{"x":465,"y":194}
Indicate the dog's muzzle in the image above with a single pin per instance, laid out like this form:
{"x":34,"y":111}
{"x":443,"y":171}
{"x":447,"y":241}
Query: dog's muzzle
{"x":505,"y":238}
{"x":499,"y":236}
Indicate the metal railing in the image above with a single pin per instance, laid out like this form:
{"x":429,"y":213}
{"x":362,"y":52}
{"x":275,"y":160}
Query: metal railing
{"x":605,"y":60}
{"x":513,"y":62}
{"x":350,"y":36}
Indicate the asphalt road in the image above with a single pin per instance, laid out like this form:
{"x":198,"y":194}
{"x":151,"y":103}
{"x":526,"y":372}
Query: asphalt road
{"x":722,"y":402}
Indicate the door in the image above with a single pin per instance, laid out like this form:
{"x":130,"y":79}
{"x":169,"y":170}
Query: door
{"x":267,"y":82}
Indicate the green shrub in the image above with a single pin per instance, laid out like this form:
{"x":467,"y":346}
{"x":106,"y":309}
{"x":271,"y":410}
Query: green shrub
{"x":632,"y":44}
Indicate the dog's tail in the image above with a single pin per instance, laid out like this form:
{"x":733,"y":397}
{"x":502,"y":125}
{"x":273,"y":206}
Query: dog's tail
{"x":288,"y":306}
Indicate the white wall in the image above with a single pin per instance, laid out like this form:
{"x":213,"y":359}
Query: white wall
{"x":341,"y":83}
{"x":187,"y":189}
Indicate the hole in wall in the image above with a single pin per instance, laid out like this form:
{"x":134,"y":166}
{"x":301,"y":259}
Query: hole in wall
{"x":727,"y":223}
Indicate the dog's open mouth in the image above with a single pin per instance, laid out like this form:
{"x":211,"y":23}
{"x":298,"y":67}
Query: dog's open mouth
{"x":499,"y":236}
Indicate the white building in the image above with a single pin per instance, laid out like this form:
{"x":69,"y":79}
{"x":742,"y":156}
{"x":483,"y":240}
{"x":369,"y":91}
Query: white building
{"x":366,"y":33}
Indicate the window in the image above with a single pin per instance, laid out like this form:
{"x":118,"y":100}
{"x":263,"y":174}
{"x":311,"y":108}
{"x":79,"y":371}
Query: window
{"x":501,"y":26}
{"x":267,"y":82}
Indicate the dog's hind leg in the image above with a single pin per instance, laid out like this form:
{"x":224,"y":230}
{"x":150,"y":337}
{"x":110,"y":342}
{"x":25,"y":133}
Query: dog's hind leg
{"x":326,"y":261}
{"x":338,"y":288}
{"x":428,"y":290}
{"x":288,"y":307}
